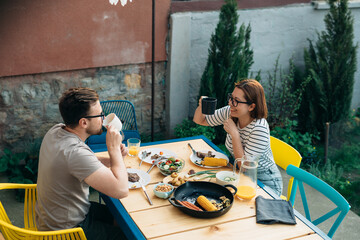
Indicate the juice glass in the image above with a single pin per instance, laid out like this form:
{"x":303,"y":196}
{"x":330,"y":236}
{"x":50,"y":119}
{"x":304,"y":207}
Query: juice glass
{"x":133,"y":145}
{"x":247,"y":177}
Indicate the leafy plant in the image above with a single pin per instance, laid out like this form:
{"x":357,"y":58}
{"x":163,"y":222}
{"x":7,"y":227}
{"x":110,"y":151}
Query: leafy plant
{"x":189,"y":129}
{"x":13,"y":164}
{"x":329,"y":173}
{"x":21,"y":167}
{"x":283,"y":97}
{"x":230,"y":56}
{"x":348,"y":157}
{"x":331,"y":64}
{"x":303,"y":142}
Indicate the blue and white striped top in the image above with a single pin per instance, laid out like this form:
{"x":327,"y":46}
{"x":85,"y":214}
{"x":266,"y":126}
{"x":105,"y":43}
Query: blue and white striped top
{"x":255,"y":137}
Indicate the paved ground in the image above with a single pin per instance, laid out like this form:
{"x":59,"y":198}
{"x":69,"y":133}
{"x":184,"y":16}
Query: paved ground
{"x":349,"y":228}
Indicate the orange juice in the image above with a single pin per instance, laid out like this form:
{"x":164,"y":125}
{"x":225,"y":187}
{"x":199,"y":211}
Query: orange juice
{"x":246,"y":192}
{"x":133,"y":150}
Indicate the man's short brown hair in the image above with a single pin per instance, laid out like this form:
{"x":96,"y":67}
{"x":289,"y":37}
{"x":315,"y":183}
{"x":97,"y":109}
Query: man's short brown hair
{"x":75,"y":104}
{"x":254,"y":93}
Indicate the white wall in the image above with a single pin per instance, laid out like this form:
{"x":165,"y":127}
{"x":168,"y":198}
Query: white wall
{"x":275,"y":31}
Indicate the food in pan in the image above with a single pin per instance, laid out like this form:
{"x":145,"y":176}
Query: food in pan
{"x":133,"y":177}
{"x":190,"y":205}
{"x":212,"y":205}
{"x":205,"y":203}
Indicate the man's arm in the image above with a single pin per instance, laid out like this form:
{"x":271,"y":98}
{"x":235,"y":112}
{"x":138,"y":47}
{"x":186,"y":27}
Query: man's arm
{"x":106,"y":160}
{"x":111,"y":181}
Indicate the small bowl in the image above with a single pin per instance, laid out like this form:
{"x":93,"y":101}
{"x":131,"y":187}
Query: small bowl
{"x":164,"y":195}
{"x":227,"y":177}
{"x":177,"y":165}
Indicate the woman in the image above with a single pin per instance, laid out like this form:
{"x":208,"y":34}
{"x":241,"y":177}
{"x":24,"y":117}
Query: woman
{"x":248,"y":133}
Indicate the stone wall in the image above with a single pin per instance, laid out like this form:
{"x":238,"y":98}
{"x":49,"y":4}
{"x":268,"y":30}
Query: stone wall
{"x":29,"y":103}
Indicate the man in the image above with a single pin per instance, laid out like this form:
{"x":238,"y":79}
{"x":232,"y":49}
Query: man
{"x":67,"y":167}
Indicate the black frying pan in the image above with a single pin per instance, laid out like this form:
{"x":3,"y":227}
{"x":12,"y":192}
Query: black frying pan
{"x":190,"y":191}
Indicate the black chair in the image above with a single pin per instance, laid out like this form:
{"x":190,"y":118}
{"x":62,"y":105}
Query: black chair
{"x":125,"y":111}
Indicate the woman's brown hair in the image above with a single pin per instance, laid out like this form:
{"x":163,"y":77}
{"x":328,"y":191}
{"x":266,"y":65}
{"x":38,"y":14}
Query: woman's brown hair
{"x":254,"y":93}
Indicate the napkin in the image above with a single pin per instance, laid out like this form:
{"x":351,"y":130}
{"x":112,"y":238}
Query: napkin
{"x":270,"y":211}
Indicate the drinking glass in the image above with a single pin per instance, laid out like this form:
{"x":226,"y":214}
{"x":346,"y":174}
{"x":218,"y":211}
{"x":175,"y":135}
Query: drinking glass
{"x":133,"y":145}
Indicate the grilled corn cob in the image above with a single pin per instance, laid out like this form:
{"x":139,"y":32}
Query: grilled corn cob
{"x":214,"y":162}
{"x":205,"y":203}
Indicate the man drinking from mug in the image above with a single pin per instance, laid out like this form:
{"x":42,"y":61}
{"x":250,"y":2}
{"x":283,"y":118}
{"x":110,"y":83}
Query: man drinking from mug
{"x":67,"y":167}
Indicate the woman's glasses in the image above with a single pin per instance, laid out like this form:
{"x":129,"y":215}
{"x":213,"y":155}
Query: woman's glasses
{"x":235,"y":102}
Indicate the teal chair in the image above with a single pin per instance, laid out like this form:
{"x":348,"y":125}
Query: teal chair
{"x":300,"y":177}
{"x":125,"y":111}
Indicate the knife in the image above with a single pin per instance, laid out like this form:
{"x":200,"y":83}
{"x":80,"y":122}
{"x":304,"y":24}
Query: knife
{"x":143,"y":187}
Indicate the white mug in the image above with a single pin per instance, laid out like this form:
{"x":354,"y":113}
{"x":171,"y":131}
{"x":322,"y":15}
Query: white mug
{"x":112,"y":120}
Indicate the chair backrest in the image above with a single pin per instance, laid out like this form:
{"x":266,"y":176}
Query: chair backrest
{"x":124,"y":110}
{"x":30,"y":230}
{"x":284,"y":154}
{"x":342,"y":206}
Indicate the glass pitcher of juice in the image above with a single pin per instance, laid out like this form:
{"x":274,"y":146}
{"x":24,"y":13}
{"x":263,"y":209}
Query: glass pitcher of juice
{"x":246,"y":188}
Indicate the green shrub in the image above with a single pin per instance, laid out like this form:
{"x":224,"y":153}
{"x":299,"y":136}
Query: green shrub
{"x":230,"y":59}
{"x":21,"y":167}
{"x":328,"y":172}
{"x":331,"y":64}
{"x":348,"y":157}
{"x":283,"y":98}
{"x":189,"y":129}
{"x":302,"y":142}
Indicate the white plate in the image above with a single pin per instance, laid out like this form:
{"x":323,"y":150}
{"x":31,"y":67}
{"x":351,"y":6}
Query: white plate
{"x":197,"y":161}
{"x":145,"y":178}
{"x":166,"y":153}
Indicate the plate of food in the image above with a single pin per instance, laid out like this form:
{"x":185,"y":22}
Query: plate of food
{"x":151,"y":154}
{"x":209,"y":159}
{"x":136,"y":175}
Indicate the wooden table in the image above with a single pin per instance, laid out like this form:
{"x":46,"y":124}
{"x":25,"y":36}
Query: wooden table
{"x":140,"y":220}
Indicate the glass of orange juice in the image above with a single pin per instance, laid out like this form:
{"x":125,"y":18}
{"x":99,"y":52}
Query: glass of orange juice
{"x":246,"y":188}
{"x":133,"y":145}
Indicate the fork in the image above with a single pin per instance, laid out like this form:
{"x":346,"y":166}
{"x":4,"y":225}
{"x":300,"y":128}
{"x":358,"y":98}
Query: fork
{"x":192,"y":149}
{"x":155,"y":162}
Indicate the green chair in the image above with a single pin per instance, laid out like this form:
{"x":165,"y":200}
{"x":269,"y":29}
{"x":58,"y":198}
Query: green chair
{"x":300,"y":177}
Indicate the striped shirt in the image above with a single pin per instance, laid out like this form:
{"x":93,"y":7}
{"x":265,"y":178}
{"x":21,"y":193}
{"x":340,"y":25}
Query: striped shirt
{"x":255,"y":137}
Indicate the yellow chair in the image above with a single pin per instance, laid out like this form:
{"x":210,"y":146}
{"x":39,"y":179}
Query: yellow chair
{"x":284,"y":154}
{"x":30,"y":230}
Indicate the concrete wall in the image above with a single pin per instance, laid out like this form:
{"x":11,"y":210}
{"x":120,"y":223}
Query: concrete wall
{"x":275,"y":31}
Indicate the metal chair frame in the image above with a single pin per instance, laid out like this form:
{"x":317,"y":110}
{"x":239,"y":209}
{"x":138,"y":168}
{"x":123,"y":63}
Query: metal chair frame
{"x":342,"y":206}
{"x":30,"y":230}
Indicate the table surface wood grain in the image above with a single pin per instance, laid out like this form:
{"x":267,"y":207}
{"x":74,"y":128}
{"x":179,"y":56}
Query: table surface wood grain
{"x":163,"y":221}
